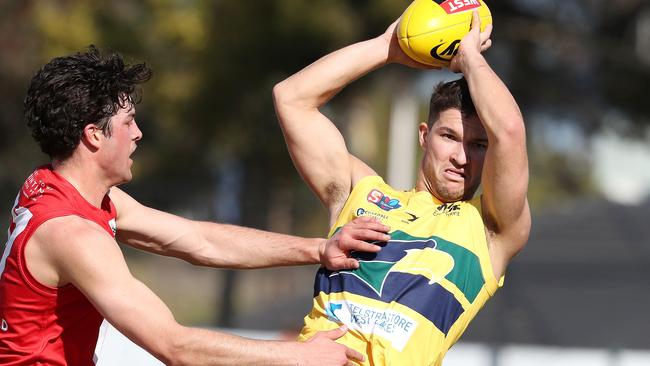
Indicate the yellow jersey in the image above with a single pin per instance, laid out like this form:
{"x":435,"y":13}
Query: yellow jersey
{"x":410,"y":302}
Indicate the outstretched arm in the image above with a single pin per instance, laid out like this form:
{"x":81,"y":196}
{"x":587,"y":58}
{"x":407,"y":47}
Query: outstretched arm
{"x":81,"y":253}
{"x":230,"y":246}
{"x":316,"y":146}
{"x":505,"y":171}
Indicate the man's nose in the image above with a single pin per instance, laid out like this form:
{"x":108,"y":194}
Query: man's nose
{"x":137,"y":133}
{"x":459,"y":156}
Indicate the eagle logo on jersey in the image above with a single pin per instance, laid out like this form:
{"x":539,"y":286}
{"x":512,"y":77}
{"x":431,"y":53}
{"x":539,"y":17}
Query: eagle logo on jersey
{"x":418,"y":258}
{"x":431,"y":276}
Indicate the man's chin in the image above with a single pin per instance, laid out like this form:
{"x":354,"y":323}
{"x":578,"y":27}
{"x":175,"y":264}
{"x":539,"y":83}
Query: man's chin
{"x":125,"y":179}
{"x":447,"y":195}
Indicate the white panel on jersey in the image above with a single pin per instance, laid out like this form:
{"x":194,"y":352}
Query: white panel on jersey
{"x":19,"y":216}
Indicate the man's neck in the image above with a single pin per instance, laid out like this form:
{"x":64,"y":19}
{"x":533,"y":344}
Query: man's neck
{"x":84,"y":177}
{"x":422,"y":185}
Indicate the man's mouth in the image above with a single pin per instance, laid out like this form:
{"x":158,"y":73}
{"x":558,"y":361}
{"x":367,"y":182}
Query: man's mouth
{"x":455,"y":174}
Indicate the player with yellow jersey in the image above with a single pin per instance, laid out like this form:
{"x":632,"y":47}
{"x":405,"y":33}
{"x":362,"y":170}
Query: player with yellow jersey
{"x":410,"y":301}
{"x":421,"y":290}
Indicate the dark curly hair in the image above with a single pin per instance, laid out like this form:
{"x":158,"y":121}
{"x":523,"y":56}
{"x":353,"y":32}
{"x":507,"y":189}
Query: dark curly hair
{"x":71,"y":92}
{"x":452,"y":94}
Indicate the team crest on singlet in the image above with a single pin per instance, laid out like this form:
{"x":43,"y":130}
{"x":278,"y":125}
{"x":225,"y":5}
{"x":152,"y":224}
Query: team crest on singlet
{"x":412,"y":257}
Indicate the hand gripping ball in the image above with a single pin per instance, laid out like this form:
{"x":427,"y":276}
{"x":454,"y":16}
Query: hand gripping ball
{"x":430,"y":31}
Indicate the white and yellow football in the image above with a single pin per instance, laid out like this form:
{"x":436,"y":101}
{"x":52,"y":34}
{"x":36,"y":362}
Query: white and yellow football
{"x":430,"y":31}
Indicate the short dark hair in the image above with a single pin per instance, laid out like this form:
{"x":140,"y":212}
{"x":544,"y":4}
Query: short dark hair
{"x":71,"y":92}
{"x":453,"y":94}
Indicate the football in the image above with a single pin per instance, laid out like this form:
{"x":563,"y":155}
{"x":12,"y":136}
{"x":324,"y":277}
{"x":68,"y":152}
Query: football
{"x":430,"y":31}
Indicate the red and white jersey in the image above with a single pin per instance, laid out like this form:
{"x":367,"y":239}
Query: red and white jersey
{"x":39,"y":324}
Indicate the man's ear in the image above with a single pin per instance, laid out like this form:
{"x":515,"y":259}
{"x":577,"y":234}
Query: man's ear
{"x":92,"y":136}
{"x":423,"y":132}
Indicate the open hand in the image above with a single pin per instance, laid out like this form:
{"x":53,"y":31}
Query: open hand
{"x":395,"y":53}
{"x":321,"y":350}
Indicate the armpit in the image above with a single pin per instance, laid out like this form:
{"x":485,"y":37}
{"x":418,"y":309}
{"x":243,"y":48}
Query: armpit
{"x":336,"y":196}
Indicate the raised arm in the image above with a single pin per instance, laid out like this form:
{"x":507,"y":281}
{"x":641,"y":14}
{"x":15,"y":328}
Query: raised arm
{"x":316,"y":146}
{"x":505,"y":171}
{"x":73,"y":250}
{"x":230,"y":246}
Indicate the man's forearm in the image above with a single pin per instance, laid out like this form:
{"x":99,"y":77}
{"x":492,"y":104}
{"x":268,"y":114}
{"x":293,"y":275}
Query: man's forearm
{"x":204,"y":347}
{"x":494,"y":103}
{"x":231,"y":246}
{"x":505,"y":169}
{"x":314,"y":85}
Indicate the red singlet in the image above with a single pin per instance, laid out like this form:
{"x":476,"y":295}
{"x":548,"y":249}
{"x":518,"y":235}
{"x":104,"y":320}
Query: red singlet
{"x":39,"y":324}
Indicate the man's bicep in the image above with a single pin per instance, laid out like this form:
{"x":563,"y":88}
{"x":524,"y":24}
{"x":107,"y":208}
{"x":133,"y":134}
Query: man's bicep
{"x":505,"y":180}
{"x":505,"y":187}
{"x":318,"y":151}
{"x":94,"y":264}
{"x":150,"y":229}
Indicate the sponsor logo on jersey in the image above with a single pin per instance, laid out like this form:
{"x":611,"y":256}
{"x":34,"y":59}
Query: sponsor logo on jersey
{"x":411,"y":217}
{"x":34,"y":188}
{"x":378,"y":215}
{"x":382,"y":201}
{"x":4,"y":326}
{"x":387,"y":323}
{"x":457,"y":6}
{"x":448,"y":209}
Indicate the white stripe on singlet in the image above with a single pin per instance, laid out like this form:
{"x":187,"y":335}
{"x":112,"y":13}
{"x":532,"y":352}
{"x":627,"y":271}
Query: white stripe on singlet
{"x":19,"y":216}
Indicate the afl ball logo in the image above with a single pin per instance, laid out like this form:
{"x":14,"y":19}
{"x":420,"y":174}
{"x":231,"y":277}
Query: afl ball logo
{"x":4,"y":327}
{"x":445,"y":54}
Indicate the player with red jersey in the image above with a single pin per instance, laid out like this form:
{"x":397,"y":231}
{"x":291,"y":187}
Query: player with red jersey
{"x":62,"y":271}
{"x":32,"y":315}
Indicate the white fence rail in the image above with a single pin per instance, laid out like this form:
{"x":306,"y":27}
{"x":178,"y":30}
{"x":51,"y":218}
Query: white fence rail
{"x":114,"y":349}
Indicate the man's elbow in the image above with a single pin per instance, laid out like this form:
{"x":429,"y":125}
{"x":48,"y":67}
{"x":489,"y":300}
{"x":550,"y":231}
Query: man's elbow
{"x":511,"y":129}
{"x":175,"y":350}
{"x":281,"y":95}
{"x":288,"y":99}
{"x":204,"y":255}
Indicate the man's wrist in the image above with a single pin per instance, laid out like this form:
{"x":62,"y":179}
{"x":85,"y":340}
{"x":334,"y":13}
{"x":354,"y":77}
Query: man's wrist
{"x":320,"y":250}
{"x":471,"y":62}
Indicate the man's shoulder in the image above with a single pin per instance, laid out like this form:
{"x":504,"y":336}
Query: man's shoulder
{"x":372,"y":181}
{"x":68,"y":227}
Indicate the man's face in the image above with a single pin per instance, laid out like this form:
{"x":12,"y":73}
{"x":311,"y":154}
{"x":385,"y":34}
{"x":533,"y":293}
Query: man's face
{"x":119,"y":145}
{"x":454,"y":151}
